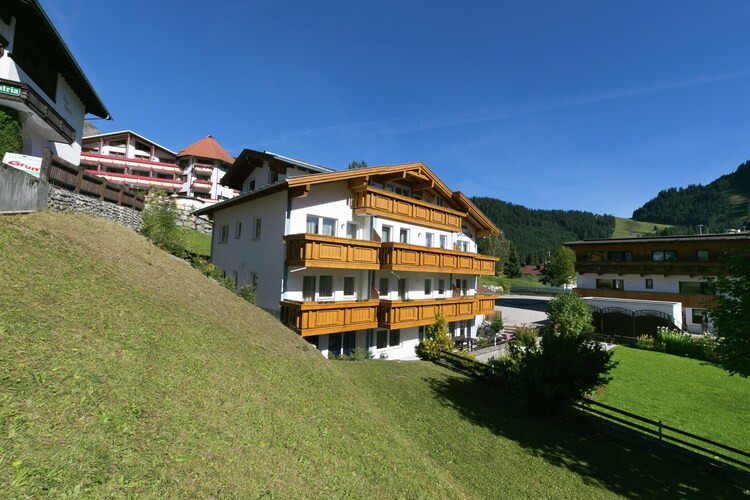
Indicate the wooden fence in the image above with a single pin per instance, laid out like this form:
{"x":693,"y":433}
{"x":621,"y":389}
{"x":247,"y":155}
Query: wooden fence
{"x":65,"y":175}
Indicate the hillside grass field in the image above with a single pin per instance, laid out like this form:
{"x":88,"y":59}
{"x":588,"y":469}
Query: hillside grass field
{"x":629,"y":228}
{"x":195,"y":241}
{"x":125,"y":372}
{"x":689,"y":394}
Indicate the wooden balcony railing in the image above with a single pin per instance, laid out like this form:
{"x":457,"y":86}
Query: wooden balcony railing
{"x":405,"y":314}
{"x":321,"y":318}
{"x":403,"y":257}
{"x":371,"y":200}
{"x":687,"y":299}
{"x":312,"y":250}
{"x":665,"y":268}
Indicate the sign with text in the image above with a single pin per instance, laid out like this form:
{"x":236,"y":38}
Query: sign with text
{"x":29,"y":164}
{"x":10,"y":90}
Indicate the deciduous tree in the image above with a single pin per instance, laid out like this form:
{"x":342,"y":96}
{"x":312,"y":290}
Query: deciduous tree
{"x":560,"y":269}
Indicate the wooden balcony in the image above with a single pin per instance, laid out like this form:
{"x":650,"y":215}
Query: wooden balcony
{"x":403,"y":257}
{"x":322,"y":318}
{"x":313,"y":250}
{"x":395,"y":314}
{"x":643,"y":268}
{"x":374,"y":201}
{"x":687,"y":299}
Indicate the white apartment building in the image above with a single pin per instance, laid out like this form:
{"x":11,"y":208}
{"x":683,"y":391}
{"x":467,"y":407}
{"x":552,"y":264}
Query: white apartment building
{"x":41,"y":80}
{"x":358,"y":258}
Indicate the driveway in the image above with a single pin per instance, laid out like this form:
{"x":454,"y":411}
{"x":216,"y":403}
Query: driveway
{"x":523,"y":309}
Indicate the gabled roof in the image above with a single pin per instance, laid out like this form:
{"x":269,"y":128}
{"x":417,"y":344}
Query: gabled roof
{"x":105,"y":135}
{"x":33,"y":16}
{"x":250,"y":159}
{"x":421,"y":178}
{"x":208,"y":148}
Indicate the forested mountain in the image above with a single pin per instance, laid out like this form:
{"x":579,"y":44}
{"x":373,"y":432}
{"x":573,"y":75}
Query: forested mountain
{"x":536,"y":232}
{"x":722,"y":204}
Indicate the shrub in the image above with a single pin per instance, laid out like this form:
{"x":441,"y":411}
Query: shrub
{"x":213,"y":272}
{"x":526,"y":336}
{"x":247,"y":292}
{"x":436,"y":339}
{"x":571,"y":313}
{"x":646,"y":342}
{"x":679,"y":343}
{"x":10,"y":132}
{"x":497,"y":323}
{"x":160,"y":223}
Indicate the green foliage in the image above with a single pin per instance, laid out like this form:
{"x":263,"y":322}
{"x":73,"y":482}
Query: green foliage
{"x":10,"y":132}
{"x":160,"y":223}
{"x":560,"y":269}
{"x":536,"y":232}
{"x":436,"y":339}
{"x":497,"y":322}
{"x":646,"y":342}
{"x":213,"y":271}
{"x":357,"y":164}
{"x":526,"y":337}
{"x":720,"y":205}
{"x":247,"y":292}
{"x":730,"y":314}
{"x":679,"y":343}
{"x":496,"y":245}
{"x":196,"y":242}
{"x":512,"y":266}
{"x":569,"y":313}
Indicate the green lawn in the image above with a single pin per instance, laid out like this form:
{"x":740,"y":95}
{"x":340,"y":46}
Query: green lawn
{"x":196,"y":242}
{"x":126,"y":373}
{"x":629,"y":228}
{"x":691,"y":395}
{"x":506,"y":283}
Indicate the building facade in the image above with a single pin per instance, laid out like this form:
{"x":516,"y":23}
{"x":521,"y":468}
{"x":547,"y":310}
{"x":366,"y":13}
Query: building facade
{"x":40,"y":79}
{"x":633,"y":272}
{"x":359,"y":258}
{"x":204,"y":164}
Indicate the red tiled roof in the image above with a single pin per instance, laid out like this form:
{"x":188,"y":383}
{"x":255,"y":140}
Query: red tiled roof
{"x":207,"y":148}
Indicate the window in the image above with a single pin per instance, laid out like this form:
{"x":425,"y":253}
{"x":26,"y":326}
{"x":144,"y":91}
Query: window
{"x":329,"y":227}
{"x":394,"y":188}
{"x":620,"y":256}
{"x":698,"y":316}
{"x":349,"y":286}
{"x":603,"y":284}
{"x":312,"y":224}
{"x":428,"y":239}
{"x":236,"y":279}
{"x":421,"y":333}
{"x":618,"y":284}
{"x":403,"y":236}
{"x":273,"y":177}
{"x":394,"y":338}
{"x":402,"y":288}
{"x":142,"y":147}
{"x":382,"y":339}
{"x":441,"y":286}
{"x":237,"y":230}
{"x":662,"y":255}
{"x":463,"y":246}
{"x":701,"y":255}
{"x":308,"y":288}
{"x":703,"y":287}
{"x":254,"y":279}
{"x":251,"y":185}
{"x":387,"y":230}
{"x":325,"y":288}
{"x":224,"y":236}
{"x":428,"y":286}
{"x":388,"y":339}
{"x":649,"y":284}
{"x":257,"y":230}
{"x":351,"y":230}
{"x":443,"y":241}
{"x":439,"y":202}
{"x":462,"y":286}
{"x":315,"y":224}
{"x":384,"y":291}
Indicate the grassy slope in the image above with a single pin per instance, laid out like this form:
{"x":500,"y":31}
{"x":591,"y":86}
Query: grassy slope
{"x":506,"y":283}
{"x":196,"y":242}
{"x":123,"y":371}
{"x":629,"y":228}
{"x":685,"y":393}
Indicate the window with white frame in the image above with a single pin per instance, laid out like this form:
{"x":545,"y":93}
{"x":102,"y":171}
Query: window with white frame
{"x":443,"y":241}
{"x":321,"y":225}
{"x":257,"y":229}
{"x":429,"y":239}
{"x":349,"y":286}
{"x":428,"y":286}
{"x":308,"y":288}
{"x":387,"y":338}
{"x":441,"y":286}
{"x":387,"y":234}
{"x":351,"y":230}
{"x":403,"y":236}
{"x":384,"y":287}
{"x":325,"y":287}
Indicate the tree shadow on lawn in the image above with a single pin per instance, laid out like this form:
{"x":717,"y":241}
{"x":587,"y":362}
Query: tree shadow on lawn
{"x":631,"y":469}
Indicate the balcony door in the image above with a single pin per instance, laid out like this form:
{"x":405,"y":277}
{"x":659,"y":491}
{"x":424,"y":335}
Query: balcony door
{"x":402,"y":289}
{"x":308,"y":288}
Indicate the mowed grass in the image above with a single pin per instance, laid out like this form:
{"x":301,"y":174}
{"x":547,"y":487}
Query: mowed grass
{"x":124,"y":372}
{"x":688,"y":394}
{"x":506,"y":283}
{"x":629,"y":228}
{"x":195,"y":241}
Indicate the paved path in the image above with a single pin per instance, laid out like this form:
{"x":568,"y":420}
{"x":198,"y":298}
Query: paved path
{"x":523,"y":309}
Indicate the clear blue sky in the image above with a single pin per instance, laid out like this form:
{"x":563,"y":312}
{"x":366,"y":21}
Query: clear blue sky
{"x":589,"y":105}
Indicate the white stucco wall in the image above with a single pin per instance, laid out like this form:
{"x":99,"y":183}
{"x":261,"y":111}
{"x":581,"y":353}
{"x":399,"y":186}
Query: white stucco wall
{"x":637,"y":283}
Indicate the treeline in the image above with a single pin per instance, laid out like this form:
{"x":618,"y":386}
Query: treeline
{"x":722,"y":204}
{"x":537,"y":232}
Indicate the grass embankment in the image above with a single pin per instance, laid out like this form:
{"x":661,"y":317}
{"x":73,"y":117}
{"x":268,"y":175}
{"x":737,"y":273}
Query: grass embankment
{"x":689,"y":394}
{"x":123,"y":371}
{"x":629,"y":228}
{"x":506,"y":283}
{"x":195,"y":241}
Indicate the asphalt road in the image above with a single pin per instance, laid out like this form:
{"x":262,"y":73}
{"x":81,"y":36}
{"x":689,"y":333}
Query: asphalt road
{"x":523,"y":309}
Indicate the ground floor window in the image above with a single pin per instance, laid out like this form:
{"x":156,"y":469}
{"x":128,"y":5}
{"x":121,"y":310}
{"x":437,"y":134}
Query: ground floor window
{"x":341,"y":343}
{"x":698,"y":316}
{"x":387,"y":338}
{"x":607,"y":284}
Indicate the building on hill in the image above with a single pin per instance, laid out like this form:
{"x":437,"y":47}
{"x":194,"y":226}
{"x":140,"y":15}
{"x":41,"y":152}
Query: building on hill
{"x":637,"y":277}
{"x":358,"y":258}
{"x":41,"y":80}
{"x":130,"y":159}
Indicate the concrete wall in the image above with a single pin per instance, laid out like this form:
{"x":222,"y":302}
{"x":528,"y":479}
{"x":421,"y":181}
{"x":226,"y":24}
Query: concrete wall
{"x":21,"y":192}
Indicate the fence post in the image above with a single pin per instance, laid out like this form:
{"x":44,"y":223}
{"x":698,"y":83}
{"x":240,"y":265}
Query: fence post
{"x":660,"y":431}
{"x":46,"y":164}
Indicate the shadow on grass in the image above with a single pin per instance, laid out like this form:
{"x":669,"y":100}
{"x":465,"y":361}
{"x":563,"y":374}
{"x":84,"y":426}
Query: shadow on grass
{"x":631,"y":469}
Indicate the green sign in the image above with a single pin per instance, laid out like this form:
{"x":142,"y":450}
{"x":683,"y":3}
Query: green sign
{"x":10,"y":90}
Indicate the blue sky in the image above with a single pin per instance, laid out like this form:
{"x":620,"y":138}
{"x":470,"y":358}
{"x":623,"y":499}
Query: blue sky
{"x":585,"y":105}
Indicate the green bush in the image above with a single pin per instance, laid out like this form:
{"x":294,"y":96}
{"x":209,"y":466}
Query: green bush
{"x":497,"y":323}
{"x":436,"y":339}
{"x":247,"y":292}
{"x":647,"y":343}
{"x":212,"y":271}
{"x":526,"y":336}
{"x":160,"y":223}
{"x":569,"y":313}
{"x":680,"y":344}
{"x":10,"y":132}
{"x":357,"y":354}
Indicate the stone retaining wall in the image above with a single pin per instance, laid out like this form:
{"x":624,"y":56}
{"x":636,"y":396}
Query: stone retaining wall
{"x":190,"y":221}
{"x":60,"y":200}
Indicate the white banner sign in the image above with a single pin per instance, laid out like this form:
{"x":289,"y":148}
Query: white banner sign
{"x":29,"y":164}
